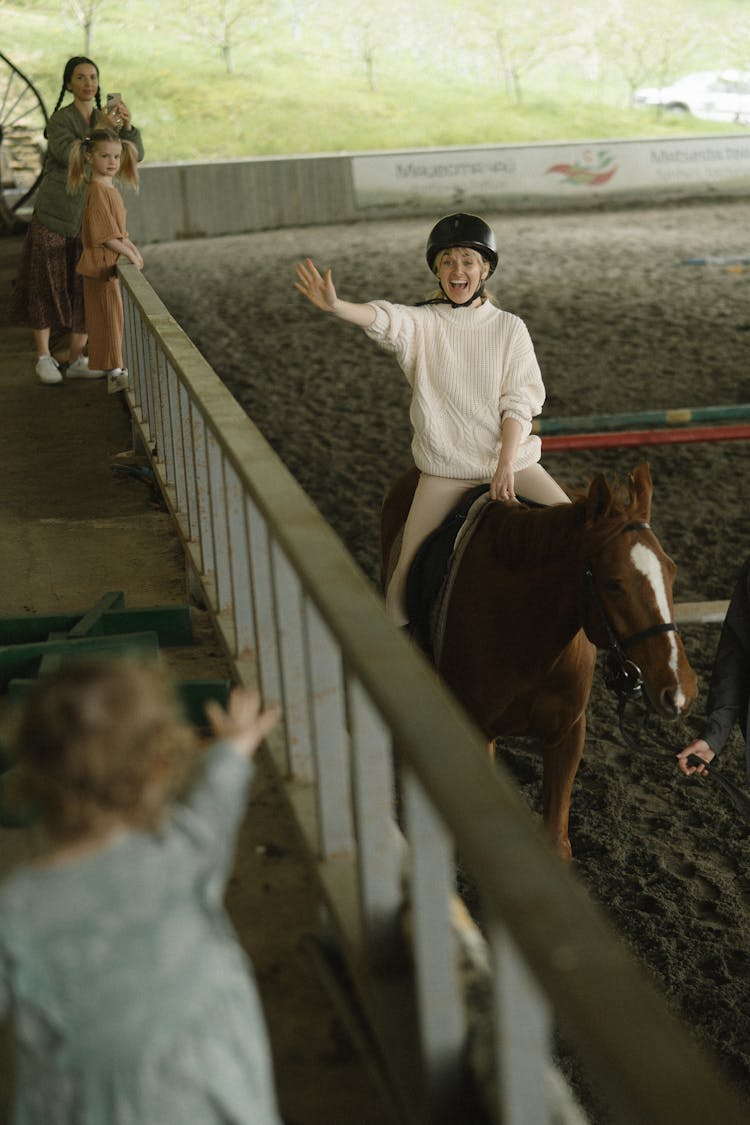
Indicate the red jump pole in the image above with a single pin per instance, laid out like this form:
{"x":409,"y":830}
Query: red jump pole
{"x":553,"y":442}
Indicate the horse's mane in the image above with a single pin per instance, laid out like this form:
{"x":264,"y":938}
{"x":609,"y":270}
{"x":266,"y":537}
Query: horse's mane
{"x":525,"y":538}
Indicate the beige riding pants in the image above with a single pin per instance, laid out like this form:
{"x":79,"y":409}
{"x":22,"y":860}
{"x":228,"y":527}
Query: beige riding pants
{"x":434,"y":499}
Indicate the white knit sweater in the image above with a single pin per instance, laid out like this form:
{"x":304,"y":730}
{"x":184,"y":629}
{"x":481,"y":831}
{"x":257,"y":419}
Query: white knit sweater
{"x":469,"y":369}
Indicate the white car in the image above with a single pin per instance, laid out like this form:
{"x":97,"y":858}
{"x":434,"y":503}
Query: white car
{"x":713,"y":95}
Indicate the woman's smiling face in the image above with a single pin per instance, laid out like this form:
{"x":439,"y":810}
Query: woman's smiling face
{"x":460,"y":271}
{"x":84,"y":82}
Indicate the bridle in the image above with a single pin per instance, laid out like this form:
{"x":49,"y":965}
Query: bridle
{"x":621,"y":675}
{"x":624,"y":678}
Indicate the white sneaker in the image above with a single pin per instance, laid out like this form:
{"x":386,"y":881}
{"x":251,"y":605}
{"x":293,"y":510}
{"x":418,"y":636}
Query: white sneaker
{"x":117,"y":379}
{"x":48,"y":370}
{"x":80,"y":369}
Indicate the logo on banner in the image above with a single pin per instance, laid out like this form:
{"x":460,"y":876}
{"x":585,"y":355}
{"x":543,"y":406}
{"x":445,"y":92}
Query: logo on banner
{"x":592,"y":170}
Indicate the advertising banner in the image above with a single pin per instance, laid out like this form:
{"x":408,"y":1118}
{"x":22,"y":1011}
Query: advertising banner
{"x":548,"y":173}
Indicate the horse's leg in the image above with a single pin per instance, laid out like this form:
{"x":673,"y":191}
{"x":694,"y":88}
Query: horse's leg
{"x":562,"y":757}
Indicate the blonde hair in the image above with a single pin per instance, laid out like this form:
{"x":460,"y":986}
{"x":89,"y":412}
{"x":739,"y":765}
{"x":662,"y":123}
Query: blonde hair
{"x":128,"y":170}
{"x":102,"y":741}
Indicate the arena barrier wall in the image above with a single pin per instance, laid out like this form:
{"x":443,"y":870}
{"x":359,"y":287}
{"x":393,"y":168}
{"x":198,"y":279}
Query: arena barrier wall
{"x":364,"y":718}
{"x":195,"y":200}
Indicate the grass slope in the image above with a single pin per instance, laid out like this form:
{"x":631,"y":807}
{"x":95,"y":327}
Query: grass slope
{"x":280,"y":100}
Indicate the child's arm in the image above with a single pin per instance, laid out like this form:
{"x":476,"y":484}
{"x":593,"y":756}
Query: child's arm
{"x":243,"y":725}
{"x":125,"y":247}
{"x":216,"y":802}
{"x":322,"y":293}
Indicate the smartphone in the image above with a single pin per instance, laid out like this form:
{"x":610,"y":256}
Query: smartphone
{"x":112,"y":99}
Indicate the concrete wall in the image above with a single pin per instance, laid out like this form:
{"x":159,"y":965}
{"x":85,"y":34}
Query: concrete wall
{"x":228,"y":196}
{"x":191,"y":200}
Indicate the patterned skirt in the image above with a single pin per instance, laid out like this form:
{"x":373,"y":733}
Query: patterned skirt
{"x":48,"y":292}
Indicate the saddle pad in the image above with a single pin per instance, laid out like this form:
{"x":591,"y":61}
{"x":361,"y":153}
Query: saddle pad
{"x":440,"y":604}
{"x":432,"y":563}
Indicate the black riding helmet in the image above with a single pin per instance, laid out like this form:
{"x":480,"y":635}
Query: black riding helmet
{"x":462,"y":230}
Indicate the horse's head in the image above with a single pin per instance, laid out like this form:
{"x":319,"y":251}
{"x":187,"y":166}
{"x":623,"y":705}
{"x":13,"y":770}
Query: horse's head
{"x":629,"y":606}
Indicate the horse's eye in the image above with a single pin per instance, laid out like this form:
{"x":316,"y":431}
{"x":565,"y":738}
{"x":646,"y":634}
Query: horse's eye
{"x":614,"y":586}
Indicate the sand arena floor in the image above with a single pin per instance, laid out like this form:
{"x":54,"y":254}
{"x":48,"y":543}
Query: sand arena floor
{"x":621,"y":322}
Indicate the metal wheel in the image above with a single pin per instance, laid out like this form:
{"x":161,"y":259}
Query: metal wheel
{"x":23,"y":119}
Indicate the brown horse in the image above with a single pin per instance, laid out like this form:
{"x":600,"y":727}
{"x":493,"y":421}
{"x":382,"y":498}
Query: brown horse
{"x":535,"y":593}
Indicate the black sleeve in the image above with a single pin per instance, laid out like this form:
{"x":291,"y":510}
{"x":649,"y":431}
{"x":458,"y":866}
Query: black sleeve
{"x":730,"y":679}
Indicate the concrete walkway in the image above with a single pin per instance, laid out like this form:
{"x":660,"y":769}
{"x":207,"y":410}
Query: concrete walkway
{"x":72,"y":530}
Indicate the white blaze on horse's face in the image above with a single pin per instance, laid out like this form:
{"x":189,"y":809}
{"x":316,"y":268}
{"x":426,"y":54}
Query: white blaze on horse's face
{"x":647,"y":564}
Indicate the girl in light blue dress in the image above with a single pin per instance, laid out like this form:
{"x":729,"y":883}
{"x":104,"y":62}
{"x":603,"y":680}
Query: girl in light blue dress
{"x":129,"y":998}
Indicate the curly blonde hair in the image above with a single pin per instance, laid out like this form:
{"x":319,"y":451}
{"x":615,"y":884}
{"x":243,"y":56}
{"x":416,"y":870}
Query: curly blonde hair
{"x":102,"y":741}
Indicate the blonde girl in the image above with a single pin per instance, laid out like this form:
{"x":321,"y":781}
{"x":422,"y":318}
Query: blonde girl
{"x":98,"y":160}
{"x":127,"y":995}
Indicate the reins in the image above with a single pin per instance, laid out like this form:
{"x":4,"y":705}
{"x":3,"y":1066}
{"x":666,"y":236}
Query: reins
{"x":623,"y":677}
{"x":738,"y":798}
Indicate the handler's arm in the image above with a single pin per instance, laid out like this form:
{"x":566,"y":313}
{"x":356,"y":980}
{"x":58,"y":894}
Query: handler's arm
{"x":699,"y":749}
{"x":730,"y":680}
{"x":321,"y":292}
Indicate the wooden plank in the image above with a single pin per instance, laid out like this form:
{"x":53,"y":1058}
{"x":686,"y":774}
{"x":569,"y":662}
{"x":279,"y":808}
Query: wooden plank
{"x":676,"y":416}
{"x":700,"y":613}
{"x":194,"y":694}
{"x":22,"y":660}
{"x":33,"y":627}
{"x":90,"y":623}
{"x":172,"y":623}
{"x":739,"y":431}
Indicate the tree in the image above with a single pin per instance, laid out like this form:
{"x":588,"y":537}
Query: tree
{"x":227,"y":24}
{"x":370,"y":31}
{"x":735,"y":42}
{"x":84,"y":13}
{"x":521,"y":36}
{"x":650,"y":47}
{"x":369,"y":42}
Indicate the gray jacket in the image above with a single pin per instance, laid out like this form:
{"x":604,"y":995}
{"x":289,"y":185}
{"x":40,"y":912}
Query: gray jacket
{"x":729,"y":692}
{"x":54,"y":207}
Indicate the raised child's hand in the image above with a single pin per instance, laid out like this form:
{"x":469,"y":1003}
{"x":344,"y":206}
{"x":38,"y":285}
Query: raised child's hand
{"x":244,"y":725}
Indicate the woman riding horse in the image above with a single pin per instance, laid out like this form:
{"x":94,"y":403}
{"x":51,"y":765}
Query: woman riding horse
{"x":532,"y":594}
{"x":475,"y":382}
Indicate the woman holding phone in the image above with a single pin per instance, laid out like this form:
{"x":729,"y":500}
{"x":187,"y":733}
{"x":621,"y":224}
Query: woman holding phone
{"x":48,"y":294}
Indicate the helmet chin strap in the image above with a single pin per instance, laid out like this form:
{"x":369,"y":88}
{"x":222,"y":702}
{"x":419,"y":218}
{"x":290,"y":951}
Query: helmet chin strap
{"x":463,"y":304}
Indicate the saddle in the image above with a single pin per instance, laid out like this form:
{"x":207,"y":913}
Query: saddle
{"x":430,"y":575}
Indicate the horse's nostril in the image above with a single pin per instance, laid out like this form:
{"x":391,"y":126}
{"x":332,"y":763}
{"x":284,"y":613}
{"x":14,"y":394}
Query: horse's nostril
{"x":670,"y":702}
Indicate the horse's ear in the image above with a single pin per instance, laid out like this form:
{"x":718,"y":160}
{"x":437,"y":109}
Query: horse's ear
{"x":641,"y":491}
{"x":598,"y":499}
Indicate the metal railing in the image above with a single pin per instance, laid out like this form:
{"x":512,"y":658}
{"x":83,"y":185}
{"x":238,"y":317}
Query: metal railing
{"x":388,"y":780}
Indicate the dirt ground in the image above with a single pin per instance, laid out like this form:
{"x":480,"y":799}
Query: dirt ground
{"x":621,"y":321}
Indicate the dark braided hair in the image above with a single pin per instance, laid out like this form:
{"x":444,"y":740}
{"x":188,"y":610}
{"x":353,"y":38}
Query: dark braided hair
{"x":70,"y":66}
